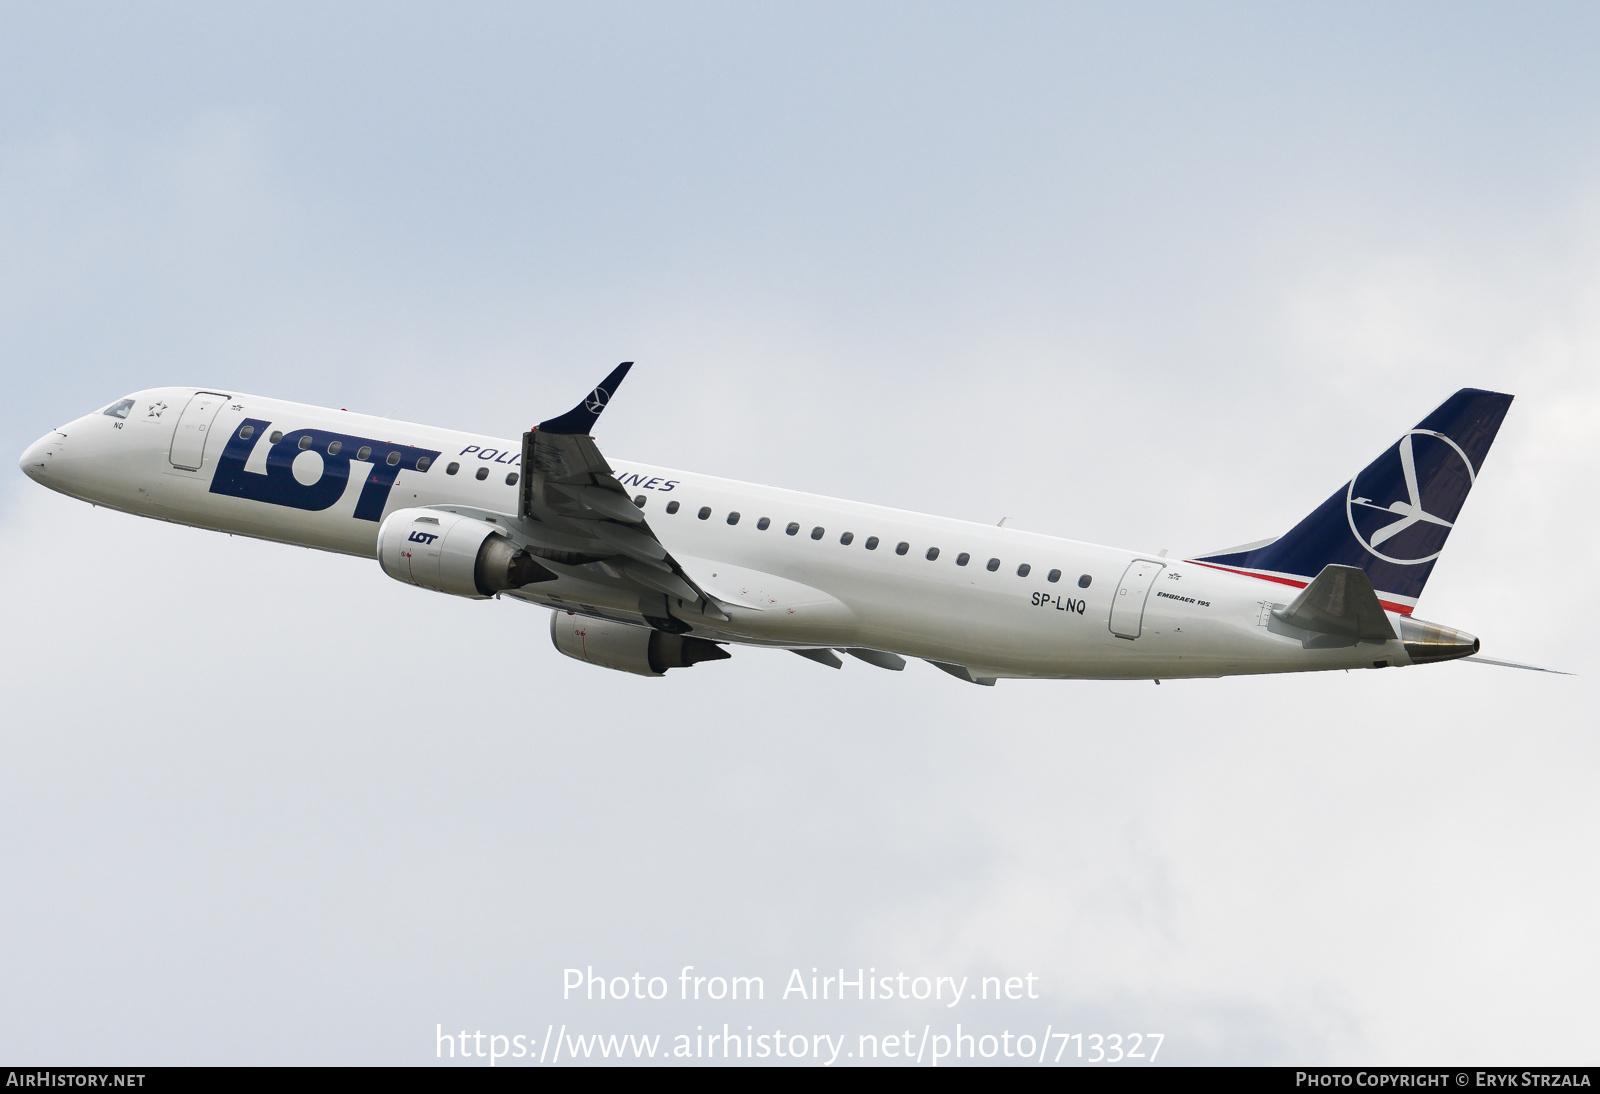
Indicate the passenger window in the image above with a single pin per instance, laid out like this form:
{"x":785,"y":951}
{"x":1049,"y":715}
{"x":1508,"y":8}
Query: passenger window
{"x":424,"y":463}
{"x":705,"y":511}
{"x":120,"y":410}
{"x":364,"y":453}
{"x":277,"y":435}
{"x":848,"y":538}
{"x":994,"y":564}
{"x":871,"y":544}
{"x":792,"y":529}
{"x":1022,"y":571}
{"x":733,"y":518}
{"x":639,"y":501}
{"x":764,"y":523}
{"x":451,"y":470}
{"x":305,"y":441}
{"x":816,"y":533}
{"x":483,"y":473}
{"x":247,"y":432}
{"x":902,"y":547}
{"x":511,"y":479}
{"x":1053,"y":576}
{"x":933,"y":553}
{"x":1083,"y":582}
{"x":393,"y":458}
{"x":963,"y":558}
{"x":334,"y":447}
{"x":672,"y":506}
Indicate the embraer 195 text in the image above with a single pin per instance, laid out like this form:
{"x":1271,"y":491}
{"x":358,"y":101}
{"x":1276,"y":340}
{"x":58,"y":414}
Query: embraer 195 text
{"x":649,"y":569}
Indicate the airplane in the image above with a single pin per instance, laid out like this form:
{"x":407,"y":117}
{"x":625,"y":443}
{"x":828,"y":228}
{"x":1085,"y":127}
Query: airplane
{"x":647,"y":569}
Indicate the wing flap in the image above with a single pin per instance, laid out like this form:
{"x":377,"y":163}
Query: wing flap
{"x":614,"y":505}
{"x":630,"y":541}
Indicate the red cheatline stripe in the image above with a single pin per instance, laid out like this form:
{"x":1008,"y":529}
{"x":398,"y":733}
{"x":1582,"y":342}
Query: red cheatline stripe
{"x":1293,"y":583}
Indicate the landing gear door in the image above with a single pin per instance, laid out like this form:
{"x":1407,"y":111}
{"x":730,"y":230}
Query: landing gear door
{"x":189,"y":438}
{"x":1127,"y":607}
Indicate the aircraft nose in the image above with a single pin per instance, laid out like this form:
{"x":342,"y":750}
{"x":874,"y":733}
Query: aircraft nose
{"x":40,"y":454}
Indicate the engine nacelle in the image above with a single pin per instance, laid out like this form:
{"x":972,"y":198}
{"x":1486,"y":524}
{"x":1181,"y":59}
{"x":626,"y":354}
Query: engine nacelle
{"x":627,"y":648}
{"x":453,"y":554}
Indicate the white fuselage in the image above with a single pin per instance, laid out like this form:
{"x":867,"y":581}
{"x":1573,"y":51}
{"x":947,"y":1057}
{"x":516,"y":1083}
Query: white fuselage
{"x":1020,"y":618}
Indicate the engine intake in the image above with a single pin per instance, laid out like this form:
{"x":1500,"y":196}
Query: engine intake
{"x":453,"y":554}
{"x":627,"y":648}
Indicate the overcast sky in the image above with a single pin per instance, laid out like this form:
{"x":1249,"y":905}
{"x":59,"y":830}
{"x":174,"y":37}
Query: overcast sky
{"x":1154,"y":276}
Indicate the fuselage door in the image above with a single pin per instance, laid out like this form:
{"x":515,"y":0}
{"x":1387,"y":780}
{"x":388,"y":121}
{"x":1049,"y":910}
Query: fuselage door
{"x":189,"y":438}
{"x":1127,"y":608}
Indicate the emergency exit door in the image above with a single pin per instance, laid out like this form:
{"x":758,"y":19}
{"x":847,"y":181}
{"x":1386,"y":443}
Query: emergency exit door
{"x":189,"y":438}
{"x":1127,"y":607}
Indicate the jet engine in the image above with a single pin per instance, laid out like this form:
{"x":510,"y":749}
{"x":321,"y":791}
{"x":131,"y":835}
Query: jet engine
{"x":453,"y":554}
{"x":628,"y":648}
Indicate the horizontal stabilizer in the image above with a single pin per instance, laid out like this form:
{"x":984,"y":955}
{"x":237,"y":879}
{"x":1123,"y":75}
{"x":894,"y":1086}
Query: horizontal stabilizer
{"x":1342,"y":602}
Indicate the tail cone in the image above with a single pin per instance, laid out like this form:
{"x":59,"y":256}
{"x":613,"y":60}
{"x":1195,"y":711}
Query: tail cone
{"x":1427,"y":642}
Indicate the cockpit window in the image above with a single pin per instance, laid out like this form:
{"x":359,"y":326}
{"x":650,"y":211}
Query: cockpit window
{"x":119,"y":409}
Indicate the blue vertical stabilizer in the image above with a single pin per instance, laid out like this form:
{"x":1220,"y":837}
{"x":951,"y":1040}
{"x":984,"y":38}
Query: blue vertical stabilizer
{"x":1393,"y":518}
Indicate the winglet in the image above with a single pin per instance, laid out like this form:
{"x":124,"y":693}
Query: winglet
{"x":581,"y":418}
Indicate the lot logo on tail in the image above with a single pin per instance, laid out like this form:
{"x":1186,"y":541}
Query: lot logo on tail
{"x":1402,"y":507}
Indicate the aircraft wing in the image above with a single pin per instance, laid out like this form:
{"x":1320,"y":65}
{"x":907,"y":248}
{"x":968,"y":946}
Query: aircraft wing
{"x":578,"y":517}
